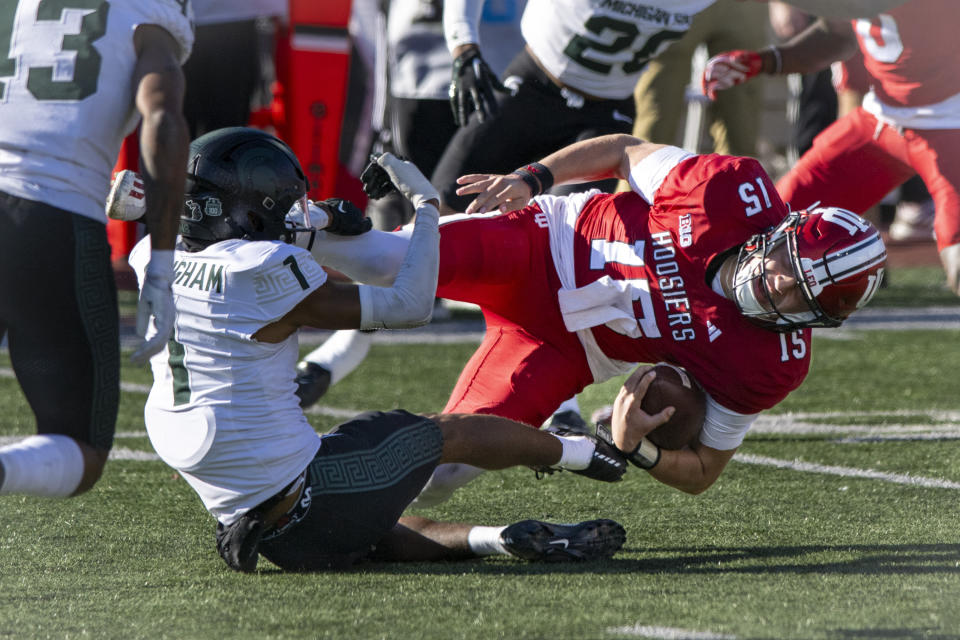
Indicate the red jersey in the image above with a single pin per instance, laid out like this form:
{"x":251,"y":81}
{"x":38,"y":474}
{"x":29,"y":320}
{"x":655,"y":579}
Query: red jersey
{"x":912,"y":52}
{"x":706,"y":206}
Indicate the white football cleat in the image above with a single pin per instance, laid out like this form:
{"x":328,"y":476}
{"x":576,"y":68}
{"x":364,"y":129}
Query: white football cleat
{"x":127,"y":200}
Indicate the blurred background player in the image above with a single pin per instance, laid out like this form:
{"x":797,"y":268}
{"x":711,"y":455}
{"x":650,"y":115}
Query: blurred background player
{"x":909,"y":122}
{"x":824,"y":95}
{"x":226,"y":69}
{"x":75,"y":83}
{"x":415,"y":118}
{"x":734,"y":119}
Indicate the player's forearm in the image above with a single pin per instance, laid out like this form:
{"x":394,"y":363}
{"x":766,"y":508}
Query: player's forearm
{"x":164,"y":141}
{"x":817,"y":47}
{"x":845,"y":8}
{"x":691,"y":470}
{"x":591,"y":159}
{"x":409,"y":302}
{"x":370,"y":258}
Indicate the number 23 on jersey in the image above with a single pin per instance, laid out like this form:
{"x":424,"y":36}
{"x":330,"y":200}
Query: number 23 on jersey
{"x":51,"y":81}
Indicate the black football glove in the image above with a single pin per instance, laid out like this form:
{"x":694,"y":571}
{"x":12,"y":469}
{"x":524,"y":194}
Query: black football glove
{"x":345,"y":218}
{"x":376,"y":181}
{"x":472,"y":88}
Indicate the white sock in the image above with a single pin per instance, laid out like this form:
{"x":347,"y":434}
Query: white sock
{"x":577,"y":452}
{"x":570,"y":404}
{"x":42,"y":465}
{"x":341,"y":353}
{"x":485,"y":541}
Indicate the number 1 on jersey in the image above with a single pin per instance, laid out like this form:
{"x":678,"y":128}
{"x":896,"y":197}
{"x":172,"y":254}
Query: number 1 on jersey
{"x":291,"y":262}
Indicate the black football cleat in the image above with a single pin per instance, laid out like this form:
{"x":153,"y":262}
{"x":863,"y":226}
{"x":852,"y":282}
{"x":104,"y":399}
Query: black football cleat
{"x":606,"y":465}
{"x":312,"y":382}
{"x":539,"y":541}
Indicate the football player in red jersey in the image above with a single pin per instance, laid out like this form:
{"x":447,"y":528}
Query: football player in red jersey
{"x":909,"y":122}
{"x":701,"y":265}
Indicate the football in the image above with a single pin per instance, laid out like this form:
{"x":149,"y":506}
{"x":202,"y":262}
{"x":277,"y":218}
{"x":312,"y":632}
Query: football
{"x":675,"y":387}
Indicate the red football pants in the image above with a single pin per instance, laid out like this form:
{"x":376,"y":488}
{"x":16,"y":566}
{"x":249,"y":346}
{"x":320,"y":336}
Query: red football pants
{"x":528,"y":363}
{"x":854,"y":163}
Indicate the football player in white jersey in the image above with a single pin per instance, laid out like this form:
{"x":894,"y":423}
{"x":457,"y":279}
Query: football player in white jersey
{"x":223,"y":409}
{"x":75,"y":78}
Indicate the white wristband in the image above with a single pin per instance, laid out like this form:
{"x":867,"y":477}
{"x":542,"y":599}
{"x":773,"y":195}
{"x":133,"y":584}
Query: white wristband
{"x":161,"y":264}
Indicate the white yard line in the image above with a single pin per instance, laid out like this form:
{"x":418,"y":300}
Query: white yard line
{"x":847,"y":472}
{"x":667,"y":633}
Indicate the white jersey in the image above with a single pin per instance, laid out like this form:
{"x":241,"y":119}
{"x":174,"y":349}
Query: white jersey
{"x":67,"y":94}
{"x":600,"y":47}
{"x":223,"y":409}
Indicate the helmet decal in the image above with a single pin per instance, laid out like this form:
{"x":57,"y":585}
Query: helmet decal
{"x":192,"y":213}
{"x":212,"y":207}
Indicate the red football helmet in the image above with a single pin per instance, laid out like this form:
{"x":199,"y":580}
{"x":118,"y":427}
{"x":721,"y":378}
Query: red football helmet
{"x":836,"y":258}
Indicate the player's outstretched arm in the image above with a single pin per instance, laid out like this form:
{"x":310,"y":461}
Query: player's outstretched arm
{"x":817,"y":47}
{"x":409,"y":301}
{"x":608,"y":156}
{"x":164,"y":140}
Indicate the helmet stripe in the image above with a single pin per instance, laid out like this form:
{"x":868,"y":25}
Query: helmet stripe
{"x":851,"y":260}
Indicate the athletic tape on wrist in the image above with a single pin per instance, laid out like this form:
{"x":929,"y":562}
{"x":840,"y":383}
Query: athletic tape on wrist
{"x":646,"y":455}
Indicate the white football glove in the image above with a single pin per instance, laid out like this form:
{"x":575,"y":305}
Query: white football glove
{"x":408,"y":179}
{"x":156,"y":301}
{"x":126,"y":200}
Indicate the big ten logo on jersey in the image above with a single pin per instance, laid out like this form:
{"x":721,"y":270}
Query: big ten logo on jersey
{"x":685,"y":231}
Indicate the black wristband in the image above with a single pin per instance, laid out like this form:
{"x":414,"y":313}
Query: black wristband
{"x":537,"y":177}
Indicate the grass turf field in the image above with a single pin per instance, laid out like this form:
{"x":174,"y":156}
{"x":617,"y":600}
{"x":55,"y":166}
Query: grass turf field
{"x":837,"y":519}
